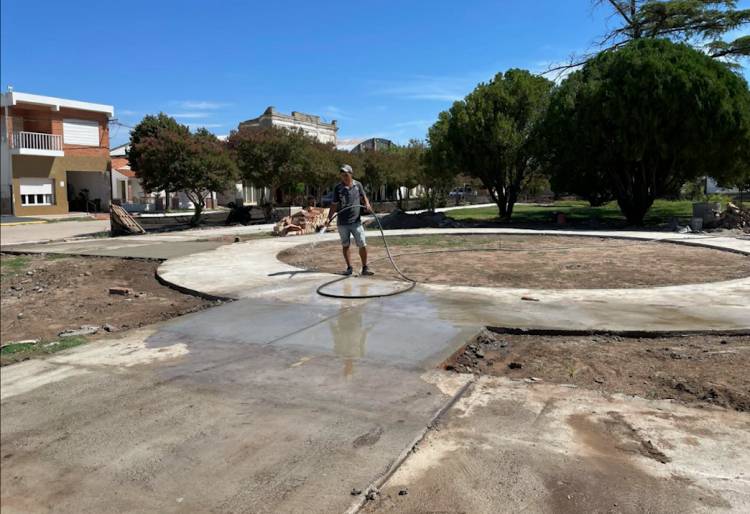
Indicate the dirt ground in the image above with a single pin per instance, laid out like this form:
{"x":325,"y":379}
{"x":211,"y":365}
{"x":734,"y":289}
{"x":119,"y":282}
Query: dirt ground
{"x":45,"y":295}
{"x":695,"y":369}
{"x":557,"y":262}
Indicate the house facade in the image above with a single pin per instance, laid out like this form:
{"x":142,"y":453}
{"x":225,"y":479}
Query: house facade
{"x":54,"y":155}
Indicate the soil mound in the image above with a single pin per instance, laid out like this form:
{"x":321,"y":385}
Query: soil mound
{"x":400,"y":219}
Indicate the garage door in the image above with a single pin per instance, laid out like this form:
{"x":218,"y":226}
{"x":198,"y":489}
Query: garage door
{"x":80,"y":132}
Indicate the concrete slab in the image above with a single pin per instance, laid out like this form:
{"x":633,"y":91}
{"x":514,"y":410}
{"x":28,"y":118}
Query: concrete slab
{"x":516,"y":447}
{"x":251,"y":270}
{"x":121,"y":247}
{"x":116,"y":427}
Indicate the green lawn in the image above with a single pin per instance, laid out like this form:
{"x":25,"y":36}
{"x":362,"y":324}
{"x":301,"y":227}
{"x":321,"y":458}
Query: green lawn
{"x":12,"y":265}
{"x":574,"y":210}
{"x":15,"y":352}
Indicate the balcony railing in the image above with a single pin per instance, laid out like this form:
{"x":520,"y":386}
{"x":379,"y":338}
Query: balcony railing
{"x":37,"y":141}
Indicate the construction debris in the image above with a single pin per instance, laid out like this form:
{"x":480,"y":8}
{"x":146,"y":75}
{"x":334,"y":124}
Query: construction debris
{"x":734,"y":217}
{"x":400,"y":219}
{"x":122,"y":223}
{"x":305,"y":221}
{"x":122,"y":291}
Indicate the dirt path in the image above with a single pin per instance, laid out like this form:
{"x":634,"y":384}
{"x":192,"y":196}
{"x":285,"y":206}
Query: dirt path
{"x":691,"y":369}
{"x":45,"y":295}
{"x":558,"y":262}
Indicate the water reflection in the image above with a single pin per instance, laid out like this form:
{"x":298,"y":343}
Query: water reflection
{"x":349,"y":330}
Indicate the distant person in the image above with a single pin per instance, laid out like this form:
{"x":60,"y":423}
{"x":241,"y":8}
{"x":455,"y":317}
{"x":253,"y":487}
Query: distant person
{"x":348,"y":196}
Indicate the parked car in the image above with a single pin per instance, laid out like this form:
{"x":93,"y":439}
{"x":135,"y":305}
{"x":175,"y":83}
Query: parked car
{"x":461,"y":192}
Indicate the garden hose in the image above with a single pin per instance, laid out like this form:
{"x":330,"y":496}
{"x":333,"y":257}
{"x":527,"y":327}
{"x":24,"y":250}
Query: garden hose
{"x":412,"y":283}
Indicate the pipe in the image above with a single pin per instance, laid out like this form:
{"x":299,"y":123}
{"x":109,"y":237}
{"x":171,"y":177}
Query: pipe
{"x":412,"y":282}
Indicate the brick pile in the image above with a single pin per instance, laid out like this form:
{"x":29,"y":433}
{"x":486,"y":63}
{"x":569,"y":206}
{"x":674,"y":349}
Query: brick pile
{"x":306,"y":221}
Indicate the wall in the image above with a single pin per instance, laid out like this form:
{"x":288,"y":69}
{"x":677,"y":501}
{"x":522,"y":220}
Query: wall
{"x":51,"y":167}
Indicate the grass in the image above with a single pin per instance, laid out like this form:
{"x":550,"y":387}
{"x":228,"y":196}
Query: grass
{"x":16,"y":352}
{"x":13,"y":265}
{"x":575,"y":210}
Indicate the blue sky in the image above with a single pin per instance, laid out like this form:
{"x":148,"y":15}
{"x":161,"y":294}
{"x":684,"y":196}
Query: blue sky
{"x":380,"y":68}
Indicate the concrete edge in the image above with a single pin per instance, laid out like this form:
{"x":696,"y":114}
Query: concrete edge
{"x":627,"y":334}
{"x":187,"y":290}
{"x":378,"y":482}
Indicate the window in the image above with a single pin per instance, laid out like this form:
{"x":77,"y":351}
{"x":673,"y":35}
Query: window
{"x":80,"y":132}
{"x":37,"y":191}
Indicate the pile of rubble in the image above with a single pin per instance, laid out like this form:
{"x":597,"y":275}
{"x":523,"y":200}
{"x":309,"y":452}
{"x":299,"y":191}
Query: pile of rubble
{"x":306,"y":221}
{"x":734,"y":217}
{"x":400,"y":219}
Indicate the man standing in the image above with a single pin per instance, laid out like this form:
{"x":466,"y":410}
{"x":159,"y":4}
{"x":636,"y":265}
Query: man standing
{"x":347,"y":198}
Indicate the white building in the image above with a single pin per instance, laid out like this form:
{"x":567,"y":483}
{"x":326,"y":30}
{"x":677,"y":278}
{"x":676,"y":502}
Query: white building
{"x":310,"y":124}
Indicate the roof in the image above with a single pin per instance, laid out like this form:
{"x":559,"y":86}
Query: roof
{"x":119,"y":151}
{"x":12,"y":98}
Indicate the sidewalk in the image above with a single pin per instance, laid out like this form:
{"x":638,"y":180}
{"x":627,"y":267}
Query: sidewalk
{"x":41,"y":231}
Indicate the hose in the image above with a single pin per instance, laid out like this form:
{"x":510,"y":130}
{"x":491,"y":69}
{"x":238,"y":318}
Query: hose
{"x":412,"y":282}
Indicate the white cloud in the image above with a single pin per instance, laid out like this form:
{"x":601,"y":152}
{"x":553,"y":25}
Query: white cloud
{"x":415,"y":123}
{"x":204,"y":125}
{"x":421,"y":87}
{"x":336,"y":113}
{"x":200,"y":104}
{"x":190,"y":115}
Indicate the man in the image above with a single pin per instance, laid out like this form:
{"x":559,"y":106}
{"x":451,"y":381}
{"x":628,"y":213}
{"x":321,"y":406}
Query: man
{"x":347,"y":198}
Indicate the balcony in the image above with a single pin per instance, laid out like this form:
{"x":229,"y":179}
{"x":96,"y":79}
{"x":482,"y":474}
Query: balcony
{"x":36,"y":143}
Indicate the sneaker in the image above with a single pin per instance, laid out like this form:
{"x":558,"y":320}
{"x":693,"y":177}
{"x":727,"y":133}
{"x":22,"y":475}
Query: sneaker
{"x":366,"y":271}
{"x":348,"y":271}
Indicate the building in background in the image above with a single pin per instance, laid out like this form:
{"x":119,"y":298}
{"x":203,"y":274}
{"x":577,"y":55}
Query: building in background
{"x":309,"y":124}
{"x":374,"y":144}
{"x":54,"y":155}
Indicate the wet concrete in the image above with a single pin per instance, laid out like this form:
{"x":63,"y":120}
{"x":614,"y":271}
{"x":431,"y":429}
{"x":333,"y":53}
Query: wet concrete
{"x":170,"y":420}
{"x":251,"y":270}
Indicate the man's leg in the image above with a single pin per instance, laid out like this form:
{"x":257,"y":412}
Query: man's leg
{"x":344,"y":235}
{"x":363,"y":255}
{"x":361,"y":240}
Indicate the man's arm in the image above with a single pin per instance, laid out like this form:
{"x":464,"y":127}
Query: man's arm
{"x":331,"y":212}
{"x":365,"y":200}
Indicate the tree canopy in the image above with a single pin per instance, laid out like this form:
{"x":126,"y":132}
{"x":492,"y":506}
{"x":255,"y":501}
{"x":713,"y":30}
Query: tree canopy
{"x":167,"y":156}
{"x":646,"y":118}
{"x":493,"y":134}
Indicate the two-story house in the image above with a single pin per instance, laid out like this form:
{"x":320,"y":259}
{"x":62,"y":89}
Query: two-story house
{"x":54,"y":155}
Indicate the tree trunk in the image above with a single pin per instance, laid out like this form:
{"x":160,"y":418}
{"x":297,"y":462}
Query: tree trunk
{"x":635,"y":208}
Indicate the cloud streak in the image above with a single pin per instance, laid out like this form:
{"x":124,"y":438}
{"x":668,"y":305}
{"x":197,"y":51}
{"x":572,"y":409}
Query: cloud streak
{"x":203,"y":105}
{"x":428,"y":88}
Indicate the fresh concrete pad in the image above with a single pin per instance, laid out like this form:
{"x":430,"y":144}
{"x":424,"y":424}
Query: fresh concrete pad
{"x":252,"y":270}
{"x":510,"y":446}
{"x":122,"y":426}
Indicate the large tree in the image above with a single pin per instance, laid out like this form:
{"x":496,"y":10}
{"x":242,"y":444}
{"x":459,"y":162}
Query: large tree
{"x":649,"y":117}
{"x":707,"y":25}
{"x":157,"y":177}
{"x":571,"y":170}
{"x":171,"y":158}
{"x":493,"y":134}
{"x":270,"y":157}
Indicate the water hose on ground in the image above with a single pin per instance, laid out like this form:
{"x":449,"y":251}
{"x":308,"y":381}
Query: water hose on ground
{"x":412,"y":283}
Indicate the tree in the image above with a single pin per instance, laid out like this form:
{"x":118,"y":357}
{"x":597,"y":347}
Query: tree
{"x":167,"y":156}
{"x":700,"y":23}
{"x":205,"y":166}
{"x":440,"y":165}
{"x":156,"y":177}
{"x":647,"y":118}
{"x":570,"y":169}
{"x":493,"y":133}
{"x":270,"y":157}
